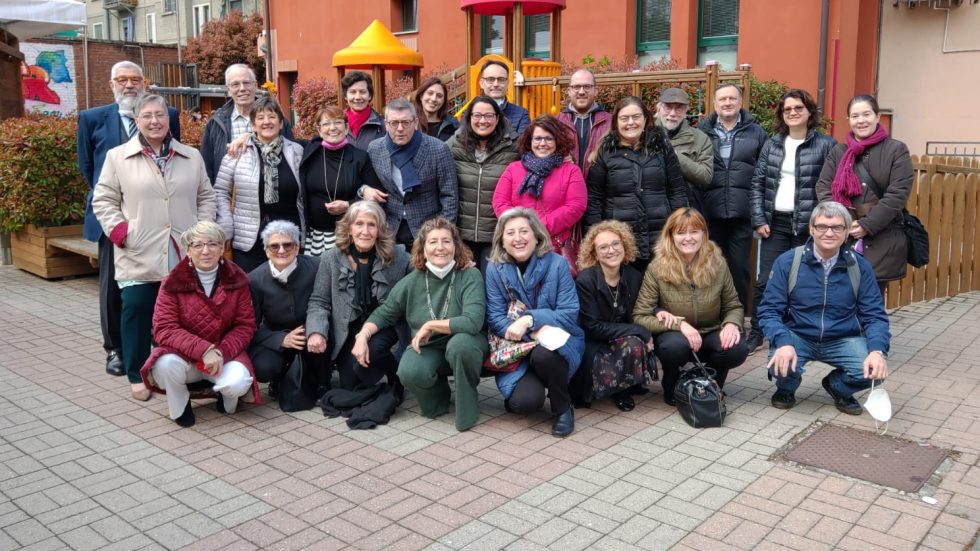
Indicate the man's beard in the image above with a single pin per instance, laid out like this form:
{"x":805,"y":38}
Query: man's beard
{"x":126,"y":103}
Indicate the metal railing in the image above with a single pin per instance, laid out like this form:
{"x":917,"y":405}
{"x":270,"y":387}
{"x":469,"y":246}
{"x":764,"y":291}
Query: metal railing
{"x":953,"y":149}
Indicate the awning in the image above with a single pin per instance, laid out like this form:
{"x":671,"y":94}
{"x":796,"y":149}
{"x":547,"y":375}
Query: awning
{"x":32,"y":18}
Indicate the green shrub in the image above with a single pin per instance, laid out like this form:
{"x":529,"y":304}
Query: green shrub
{"x":763,"y":99}
{"x":39,"y":179}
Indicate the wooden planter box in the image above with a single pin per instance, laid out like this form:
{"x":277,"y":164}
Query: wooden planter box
{"x":33,"y":253}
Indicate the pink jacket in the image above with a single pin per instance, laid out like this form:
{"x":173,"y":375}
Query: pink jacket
{"x":562,"y":201}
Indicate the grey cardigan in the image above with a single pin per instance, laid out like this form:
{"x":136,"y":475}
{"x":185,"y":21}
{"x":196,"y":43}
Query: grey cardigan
{"x":332,"y":307}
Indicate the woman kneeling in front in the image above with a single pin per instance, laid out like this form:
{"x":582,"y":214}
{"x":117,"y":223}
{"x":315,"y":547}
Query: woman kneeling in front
{"x":688,"y":301}
{"x":443,"y":301}
{"x":202,"y":324}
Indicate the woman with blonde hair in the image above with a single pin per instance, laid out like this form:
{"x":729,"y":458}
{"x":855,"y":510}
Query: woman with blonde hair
{"x":616,"y":349}
{"x":688,"y":301}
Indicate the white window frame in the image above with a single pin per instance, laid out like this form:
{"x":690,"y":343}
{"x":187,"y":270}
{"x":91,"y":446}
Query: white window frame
{"x":169,"y":4}
{"x":127,"y":35}
{"x":198,"y":23}
{"x":98,"y":31}
{"x":151,"y":27}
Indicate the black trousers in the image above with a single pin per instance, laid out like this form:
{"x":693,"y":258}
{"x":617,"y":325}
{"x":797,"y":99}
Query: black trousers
{"x":136,"y":326}
{"x":734,"y":236}
{"x":270,"y":364}
{"x":780,"y":240}
{"x":250,"y":259}
{"x":404,"y":236}
{"x":673,"y":351}
{"x":382,"y":361}
{"x":481,"y":254}
{"x":547,"y":370}
{"x":110,"y":299}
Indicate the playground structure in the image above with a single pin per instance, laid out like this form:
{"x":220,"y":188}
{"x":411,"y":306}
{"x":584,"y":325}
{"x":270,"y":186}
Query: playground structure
{"x":377,"y":50}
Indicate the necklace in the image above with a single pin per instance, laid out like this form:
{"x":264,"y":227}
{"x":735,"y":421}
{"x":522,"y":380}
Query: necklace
{"x":445,"y":304}
{"x":614,"y":291}
{"x":336,"y":182}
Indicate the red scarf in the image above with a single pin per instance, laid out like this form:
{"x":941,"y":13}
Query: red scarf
{"x":846,"y":183}
{"x":356,"y":119}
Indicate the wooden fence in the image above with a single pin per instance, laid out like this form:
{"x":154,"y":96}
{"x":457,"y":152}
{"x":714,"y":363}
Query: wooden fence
{"x":946,"y":197}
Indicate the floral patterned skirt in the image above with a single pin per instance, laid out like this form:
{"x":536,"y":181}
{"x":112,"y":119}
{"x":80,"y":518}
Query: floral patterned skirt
{"x":620,"y":364}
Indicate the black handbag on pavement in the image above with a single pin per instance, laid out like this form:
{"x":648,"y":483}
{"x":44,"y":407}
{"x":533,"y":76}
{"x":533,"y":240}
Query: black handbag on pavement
{"x":297,"y":387}
{"x":700,"y":400}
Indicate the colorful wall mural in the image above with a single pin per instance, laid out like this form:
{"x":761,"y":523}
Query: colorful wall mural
{"x":48,"y":78}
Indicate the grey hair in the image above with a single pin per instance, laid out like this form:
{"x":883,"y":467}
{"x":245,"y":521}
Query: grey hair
{"x":150,"y":98}
{"x":730,"y":85}
{"x":497,"y":252}
{"x":124,"y":65}
{"x":280,"y":227}
{"x":400,"y":104}
{"x":203,"y":229}
{"x":235,"y":66}
{"x":831,"y":209}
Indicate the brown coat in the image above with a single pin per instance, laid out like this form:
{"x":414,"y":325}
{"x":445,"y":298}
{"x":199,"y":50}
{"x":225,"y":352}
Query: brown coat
{"x":707,"y":308}
{"x":891,"y":167}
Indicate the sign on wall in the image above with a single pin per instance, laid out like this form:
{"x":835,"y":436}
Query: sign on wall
{"x":48,"y":74}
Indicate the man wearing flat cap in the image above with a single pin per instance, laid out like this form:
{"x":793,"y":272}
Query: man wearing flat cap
{"x":693,"y":147}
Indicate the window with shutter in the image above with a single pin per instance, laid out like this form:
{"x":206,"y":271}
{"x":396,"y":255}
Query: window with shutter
{"x":537,"y":33}
{"x":491,"y":34}
{"x":718,"y":32}
{"x":652,"y":29}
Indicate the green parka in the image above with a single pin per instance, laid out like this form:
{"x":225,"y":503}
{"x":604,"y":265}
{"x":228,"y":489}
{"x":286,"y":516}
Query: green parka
{"x":477,"y":181}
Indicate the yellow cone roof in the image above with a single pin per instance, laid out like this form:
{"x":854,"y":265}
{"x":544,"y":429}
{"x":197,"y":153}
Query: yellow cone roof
{"x":377,"y":46}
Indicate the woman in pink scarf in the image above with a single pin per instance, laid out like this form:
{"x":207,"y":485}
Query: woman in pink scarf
{"x":875,"y":194}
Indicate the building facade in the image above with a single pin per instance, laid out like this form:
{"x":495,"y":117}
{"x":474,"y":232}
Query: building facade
{"x":158,"y":21}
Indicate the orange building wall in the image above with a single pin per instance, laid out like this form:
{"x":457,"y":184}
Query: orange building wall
{"x":781,"y":40}
{"x":598,"y":28}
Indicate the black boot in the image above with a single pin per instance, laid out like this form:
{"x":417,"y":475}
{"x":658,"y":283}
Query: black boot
{"x":564,"y":424}
{"x":186,"y":419}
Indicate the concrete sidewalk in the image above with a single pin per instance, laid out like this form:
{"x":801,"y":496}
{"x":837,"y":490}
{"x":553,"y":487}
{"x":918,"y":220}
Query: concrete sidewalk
{"x":86,"y":467}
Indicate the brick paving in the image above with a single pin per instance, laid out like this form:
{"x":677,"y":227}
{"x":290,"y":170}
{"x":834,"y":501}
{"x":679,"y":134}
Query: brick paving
{"x":85,"y":467}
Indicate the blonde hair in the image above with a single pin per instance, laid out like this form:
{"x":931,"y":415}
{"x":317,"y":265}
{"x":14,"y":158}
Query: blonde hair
{"x":669,"y":266}
{"x":204,"y":229}
{"x":587,"y":257}
{"x":500,"y":255}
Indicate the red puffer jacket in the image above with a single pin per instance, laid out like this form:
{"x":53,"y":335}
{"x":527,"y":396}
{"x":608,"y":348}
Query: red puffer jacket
{"x":187,"y":322}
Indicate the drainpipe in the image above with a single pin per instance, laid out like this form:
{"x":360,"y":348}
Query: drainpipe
{"x":268,"y":41}
{"x":822,"y":62}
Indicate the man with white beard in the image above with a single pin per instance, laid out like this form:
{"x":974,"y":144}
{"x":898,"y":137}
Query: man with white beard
{"x":99,"y":130}
{"x":692,"y":146}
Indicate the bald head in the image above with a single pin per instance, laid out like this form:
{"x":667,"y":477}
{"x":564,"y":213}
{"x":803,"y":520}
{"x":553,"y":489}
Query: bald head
{"x":581,"y":91}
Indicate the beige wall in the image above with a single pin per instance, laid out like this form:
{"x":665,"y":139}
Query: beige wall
{"x":932,"y":93}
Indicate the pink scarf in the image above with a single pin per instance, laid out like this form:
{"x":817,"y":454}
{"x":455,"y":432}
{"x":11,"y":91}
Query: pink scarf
{"x":334,"y":146}
{"x":356,"y":119}
{"x":846,"y":183}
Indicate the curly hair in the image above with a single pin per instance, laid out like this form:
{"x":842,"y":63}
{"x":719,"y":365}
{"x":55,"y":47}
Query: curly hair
{"x":669,"y":266}
{"x":468,"y":139}
{"x":500,"y":255}
{"x":807,"y":100}
{"x":461,"y":253}
{"x":587,"y":256}
{"x":564,"y":136}
{"x":653,"y":139}
{"x":384,"y":246}
{"x":417,"y":99}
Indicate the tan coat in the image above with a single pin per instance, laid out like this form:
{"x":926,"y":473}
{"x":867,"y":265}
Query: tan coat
{"x":155,"y":208}
{"x":707,"y":308}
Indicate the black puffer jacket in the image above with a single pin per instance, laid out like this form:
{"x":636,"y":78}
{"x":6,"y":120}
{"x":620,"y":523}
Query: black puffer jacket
{"x":727,"y":196}
{"x":810,"y":156}
{"x":640,"y":188}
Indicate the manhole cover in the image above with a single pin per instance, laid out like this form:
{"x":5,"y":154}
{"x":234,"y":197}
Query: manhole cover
{"x":859,"y":454}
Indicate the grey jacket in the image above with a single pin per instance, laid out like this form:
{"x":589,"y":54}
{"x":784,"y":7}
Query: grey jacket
{"x":436,"y":195}
{"x":241,"y":177}
{"x":332,"y":307}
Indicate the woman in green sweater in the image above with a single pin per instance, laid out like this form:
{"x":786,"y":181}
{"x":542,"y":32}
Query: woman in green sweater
{"x":688,"y":301}
{"x":444,"y":303}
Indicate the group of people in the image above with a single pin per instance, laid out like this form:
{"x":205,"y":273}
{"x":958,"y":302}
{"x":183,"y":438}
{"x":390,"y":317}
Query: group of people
{"x":393,"y":247}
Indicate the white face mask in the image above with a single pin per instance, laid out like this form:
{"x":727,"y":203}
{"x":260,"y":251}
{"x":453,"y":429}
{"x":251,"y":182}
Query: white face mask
{"x":879,"y":405}
{"x":441,"y":273}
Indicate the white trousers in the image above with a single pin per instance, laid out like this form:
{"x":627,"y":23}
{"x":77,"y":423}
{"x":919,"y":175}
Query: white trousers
{"x":173,"y":373}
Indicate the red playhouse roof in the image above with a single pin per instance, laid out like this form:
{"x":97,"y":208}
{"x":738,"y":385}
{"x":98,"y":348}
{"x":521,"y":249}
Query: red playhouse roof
{"x":500,"y":7}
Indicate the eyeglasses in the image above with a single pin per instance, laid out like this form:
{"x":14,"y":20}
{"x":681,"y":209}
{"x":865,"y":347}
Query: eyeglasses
{"x":606,"y":247}
{"x":824,"y":228}
{"x":333,"y":124}
{"x":240,"y":84}
{"x":543,"y":139}
{"x":284,"y":247}
{"x":581,"y":87}
{"x":627,"y":118}
{"x":794,"y":109}
{"x":211,"y":245}
{"x":159,"y":115}
{"x":494,"y":80}
{"x":123,"y":80}
{"x":400,"y":124}
{"x":483,"y":116}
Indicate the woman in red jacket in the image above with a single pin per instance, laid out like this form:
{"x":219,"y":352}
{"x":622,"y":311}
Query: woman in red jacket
{"x":202,"y":324}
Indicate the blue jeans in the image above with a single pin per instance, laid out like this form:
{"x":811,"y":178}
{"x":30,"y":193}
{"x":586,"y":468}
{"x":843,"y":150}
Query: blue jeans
{"x":845,"y":355}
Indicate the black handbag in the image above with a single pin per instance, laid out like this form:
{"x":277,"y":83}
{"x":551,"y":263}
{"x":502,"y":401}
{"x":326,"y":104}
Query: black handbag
{"x":916,"y":236}
{"x":297,"y":387}
{"x":700,"y":400}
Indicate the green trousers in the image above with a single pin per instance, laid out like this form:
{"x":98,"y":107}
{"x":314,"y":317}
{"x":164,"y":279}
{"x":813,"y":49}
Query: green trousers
{"x":426,"y":375}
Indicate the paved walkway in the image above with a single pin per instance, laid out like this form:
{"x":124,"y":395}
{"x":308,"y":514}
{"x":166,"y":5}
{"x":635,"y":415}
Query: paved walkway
{"x":86,"y":467}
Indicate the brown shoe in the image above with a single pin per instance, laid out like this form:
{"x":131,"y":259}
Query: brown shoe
{"x":140,"y":392}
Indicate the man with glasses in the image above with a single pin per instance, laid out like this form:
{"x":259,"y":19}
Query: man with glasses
{"x":99,"y":130}
{"x":231,"y":120}
{"x":494,"y":81}
{"x":822,"y":303}
{"x":585,"y":116}
{"x":692,"y":146}
{"x":417,"y":172}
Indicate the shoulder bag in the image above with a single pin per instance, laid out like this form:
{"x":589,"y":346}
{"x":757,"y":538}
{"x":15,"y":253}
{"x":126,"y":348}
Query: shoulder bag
{"x":700,"y":400}
{"x":916,"y":236}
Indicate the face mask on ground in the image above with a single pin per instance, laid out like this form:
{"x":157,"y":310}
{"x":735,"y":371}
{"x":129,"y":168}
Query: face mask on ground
{"x":879,"y":405}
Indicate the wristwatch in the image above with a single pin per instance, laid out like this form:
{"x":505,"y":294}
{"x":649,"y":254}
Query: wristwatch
{"x":883,"y":355}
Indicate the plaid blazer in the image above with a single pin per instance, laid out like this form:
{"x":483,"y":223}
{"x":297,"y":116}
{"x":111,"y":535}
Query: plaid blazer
{"x":436,"y":195}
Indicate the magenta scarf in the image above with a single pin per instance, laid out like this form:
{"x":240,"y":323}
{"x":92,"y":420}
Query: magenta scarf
{"x":356,"y":119}
{"x":334,"y":146}
{"x":846,"y":183}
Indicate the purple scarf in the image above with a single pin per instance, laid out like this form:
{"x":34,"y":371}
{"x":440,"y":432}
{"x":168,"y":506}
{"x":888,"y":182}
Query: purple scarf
{"x":538,"y":168}
{"x":334,"y":146}
{"x":846,"y":183}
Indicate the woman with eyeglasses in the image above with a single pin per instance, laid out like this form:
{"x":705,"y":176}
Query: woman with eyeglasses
{"x":334,"y":173}
{"x":635,"y":177}
{"x":432,"y":105}
{"x":202,"y":325}
{"x":151,"y":189}
{"x":364,"y":123}
{"x":482,"y":149}
{"x":260,"y":185}
{"x":871,"y":175}
{"x":281,"y":290}
{"x":546,"y":181}
{"x":784,"y":187}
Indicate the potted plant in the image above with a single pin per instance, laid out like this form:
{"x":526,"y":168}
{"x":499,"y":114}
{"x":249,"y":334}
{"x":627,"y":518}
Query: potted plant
{"x":42,"y":193}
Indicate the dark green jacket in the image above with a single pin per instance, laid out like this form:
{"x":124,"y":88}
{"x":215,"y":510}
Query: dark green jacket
{"x":477,"y":181}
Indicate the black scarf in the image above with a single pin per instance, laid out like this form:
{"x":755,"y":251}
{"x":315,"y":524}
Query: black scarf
{"x":538,"y":168}
{"x":362,"y":278}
